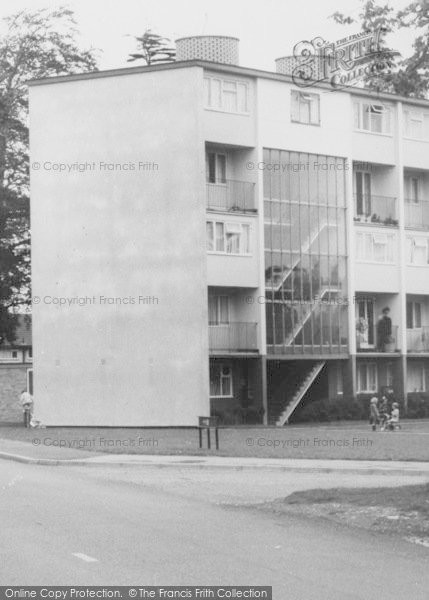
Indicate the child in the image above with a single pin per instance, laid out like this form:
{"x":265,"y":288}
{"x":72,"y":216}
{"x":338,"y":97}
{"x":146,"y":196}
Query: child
{"x":393,"y":422}
{"x":374,"y":415}
{"x":384,"y":412}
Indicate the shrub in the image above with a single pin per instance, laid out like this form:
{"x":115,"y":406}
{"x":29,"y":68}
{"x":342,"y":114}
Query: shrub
{"x":336,"y":409}
{"x":418,"y":406}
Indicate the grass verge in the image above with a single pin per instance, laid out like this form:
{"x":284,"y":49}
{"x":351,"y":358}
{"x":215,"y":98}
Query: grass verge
{"x":402,"y":511}
{"x":341,"y":441}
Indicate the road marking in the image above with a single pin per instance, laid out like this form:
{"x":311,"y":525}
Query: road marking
{"x":12,"y":482}
{"x":84,"y":557}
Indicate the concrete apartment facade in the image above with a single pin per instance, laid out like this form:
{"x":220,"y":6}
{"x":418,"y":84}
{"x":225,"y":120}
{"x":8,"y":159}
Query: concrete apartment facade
{"x":270,"y":226}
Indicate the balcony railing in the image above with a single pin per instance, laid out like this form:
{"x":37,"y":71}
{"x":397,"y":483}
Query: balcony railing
{"x":417,"y":214}
{"x":388,"y":344}
{"x":418,"y":339}
{"x":375,"y":209}
{"x":231,"y":195}
{"x":234,"y":337}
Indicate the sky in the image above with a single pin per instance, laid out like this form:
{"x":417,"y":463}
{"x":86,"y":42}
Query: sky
{"x":267,"y":30}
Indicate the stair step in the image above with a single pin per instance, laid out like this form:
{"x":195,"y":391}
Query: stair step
{"x":290,"y":405}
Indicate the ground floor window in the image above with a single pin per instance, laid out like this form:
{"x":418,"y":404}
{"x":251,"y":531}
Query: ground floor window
{"x":220,"y":380}
{"x":338,"y":370}
{"x":366,"y":377}
{"x":390,"y":370}
{"x":416,"y":378}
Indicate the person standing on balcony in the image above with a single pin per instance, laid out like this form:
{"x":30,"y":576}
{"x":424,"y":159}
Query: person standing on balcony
{"x":384,"y":329}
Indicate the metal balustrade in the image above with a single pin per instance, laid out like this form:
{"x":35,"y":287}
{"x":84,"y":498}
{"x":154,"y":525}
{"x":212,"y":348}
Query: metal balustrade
{"x":375,"y":209}
{"x":418,"y":339}
{"x":231,"y":195}
{"x":233,"y":337}
{"x":417,"y":214}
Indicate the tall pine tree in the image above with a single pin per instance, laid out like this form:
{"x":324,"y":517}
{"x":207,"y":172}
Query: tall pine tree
{"x":35,"y":44}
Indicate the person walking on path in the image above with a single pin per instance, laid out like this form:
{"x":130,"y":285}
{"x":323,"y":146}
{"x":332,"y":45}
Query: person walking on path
{"x":27,"y":407}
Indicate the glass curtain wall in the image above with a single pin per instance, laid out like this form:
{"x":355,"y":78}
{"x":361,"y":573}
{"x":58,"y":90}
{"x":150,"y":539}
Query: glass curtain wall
{"x":305,"y":253}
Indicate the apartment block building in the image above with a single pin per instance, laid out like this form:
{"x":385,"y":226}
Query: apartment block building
{"x":272,"y":224}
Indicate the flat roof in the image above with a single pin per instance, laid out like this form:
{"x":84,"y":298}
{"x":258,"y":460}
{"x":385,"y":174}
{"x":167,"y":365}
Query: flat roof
{"x":213,"y":66}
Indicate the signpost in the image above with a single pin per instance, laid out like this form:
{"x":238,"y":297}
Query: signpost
{"x":206,"y":423}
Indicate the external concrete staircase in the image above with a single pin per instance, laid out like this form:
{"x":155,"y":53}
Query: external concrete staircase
{"x":305,"y":248}
{"x":291,"y":404}
{"x":305,"y":317}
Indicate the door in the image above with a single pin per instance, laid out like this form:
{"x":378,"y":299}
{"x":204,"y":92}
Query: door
{"x":216,"y":167}
{"x":365,"y":323}
{"x":363,"y":193}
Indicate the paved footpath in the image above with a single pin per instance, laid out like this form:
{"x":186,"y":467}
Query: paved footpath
{"x":49,"y":455}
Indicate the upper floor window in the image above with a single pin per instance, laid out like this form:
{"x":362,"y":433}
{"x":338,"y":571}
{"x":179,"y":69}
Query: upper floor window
{"x":375,"y":247}
{"x":218,"y":310}
{"x":226,"y":94}
{"x":305,"y":108}
{"x":375,"y":118}
{"x":228,"y":238}
{"x":416,"y":124}
{"x":417,"y":251}
{"x":412,"y":188}
{"x":6,"y":355}
{"x":414,"y":315}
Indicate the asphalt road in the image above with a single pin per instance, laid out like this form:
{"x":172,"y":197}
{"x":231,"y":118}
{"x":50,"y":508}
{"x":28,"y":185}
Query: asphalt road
{"x":89,"y":526}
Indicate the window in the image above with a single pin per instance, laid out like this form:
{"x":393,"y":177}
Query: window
{"x":216,"y":167}
{"x":417,"y":251}
{"x":228,"y":238}
{"x":227,"y":95}
{"x":220,"y":381}
{"x":9,"y":355}
{"x":374,"y":118}
{"x":412,"y":189}
{"x":218,"y":310}
{"x":414,"y":315}
{"x":305,"y":108}
{"x":338,"y":370}
{"x":416,"y":378}
{"x":416,"y":124}
{"x":375,"y":247}
{"x":390,"y":374}
{"x":366,"y":378}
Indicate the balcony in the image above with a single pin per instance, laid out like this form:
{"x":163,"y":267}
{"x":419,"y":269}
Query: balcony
{"x":418,"y":339}
{"x":232,"y":196}
{"x":379,"y":210}
{"x":233,"y":337}
{"x":365,"y":340}
{"x":417,"y":214}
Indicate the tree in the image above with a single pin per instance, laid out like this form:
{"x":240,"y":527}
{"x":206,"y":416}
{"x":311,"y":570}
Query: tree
{"x":409,"y":76}
{"x":35,"y":44}
{"x":153,"y":48}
